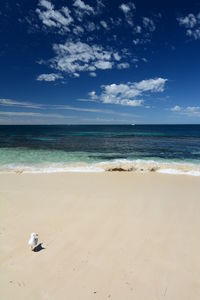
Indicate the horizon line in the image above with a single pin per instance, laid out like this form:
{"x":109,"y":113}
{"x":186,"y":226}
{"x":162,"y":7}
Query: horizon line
{"x":100,"y":124}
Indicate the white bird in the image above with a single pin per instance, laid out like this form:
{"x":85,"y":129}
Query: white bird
{"x":33,"y":240}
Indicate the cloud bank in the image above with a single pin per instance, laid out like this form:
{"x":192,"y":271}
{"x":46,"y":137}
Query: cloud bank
{"x":127,"y":94}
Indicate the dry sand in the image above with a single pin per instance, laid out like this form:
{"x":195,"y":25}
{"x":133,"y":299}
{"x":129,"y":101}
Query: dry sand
{"x":114,"y":236}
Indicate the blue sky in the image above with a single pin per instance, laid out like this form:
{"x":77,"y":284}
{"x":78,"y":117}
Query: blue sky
{"x":99,"y":62}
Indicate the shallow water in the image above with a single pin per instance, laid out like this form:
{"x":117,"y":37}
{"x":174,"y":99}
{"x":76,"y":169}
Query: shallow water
{"x":99,"y":147}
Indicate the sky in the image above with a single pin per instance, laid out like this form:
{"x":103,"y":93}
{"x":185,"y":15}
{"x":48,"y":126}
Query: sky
{"x":99,"y":62}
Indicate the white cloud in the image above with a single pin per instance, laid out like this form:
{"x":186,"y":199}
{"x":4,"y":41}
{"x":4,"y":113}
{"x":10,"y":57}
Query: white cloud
{"x":51,"y":17}
{"x":128,"y":10}
{"x":79,"y":109}
{"x":144,"y":35}
{"x":138,"y":29}
{"x":191,"y":111}
{"x":176,"y":108}
{"x":85,"y":100}
{"x":52,"y":107}
{"x":194,"y":33}
{"x":127,"y":94}
{"x":136,"y":41}
{"x":82,"y":6}
{"x":144,"y":59}
{"x":78,"y":30}
{"x":18,"y":115}
{"x":141,"y":41}
{"x":123,"y":66}
{"x":49,"y":77}
{"x":127,"y":7}
{"x":61,"y":19}
{"x":46,"y":4}
{"x":188,"y":21}
{"x":117,"y":56}
{"x":103,"y":65}
{"x":93,"y":74}
{"x":91,"y":110}
{"x":100,"y":4}
{"x":153,"y":85}
{"x":80,"y":51}
{"x":29,"y":114}
{"x":149,"y":24}
{"x":104,"y":25}
{"x":81,"y":9}
{"x":76,"y":57}
{"x":92,"y":95}
{"x":191,"y":23}
{"x":10,"y":102}
{"x":90,"y":26}
{"x":116,"y":21}
{"x":125,"y":102}
{"x":124,"y":8}
{"x":77,"y":75}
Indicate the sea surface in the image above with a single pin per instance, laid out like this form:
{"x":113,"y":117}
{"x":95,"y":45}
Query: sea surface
{"x":97,"y":148}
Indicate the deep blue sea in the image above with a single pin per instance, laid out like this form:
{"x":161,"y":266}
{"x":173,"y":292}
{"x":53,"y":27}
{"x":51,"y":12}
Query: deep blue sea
{"x":51,"y":148}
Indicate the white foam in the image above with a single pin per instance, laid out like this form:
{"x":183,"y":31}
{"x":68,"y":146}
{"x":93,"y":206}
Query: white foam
{"x":87,"y":169}
{"x":179,"y":172}
{"x":127,"y":165}
{"x":52,"y":169}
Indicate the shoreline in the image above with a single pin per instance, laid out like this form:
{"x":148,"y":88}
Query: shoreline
{"x":120,"y":165}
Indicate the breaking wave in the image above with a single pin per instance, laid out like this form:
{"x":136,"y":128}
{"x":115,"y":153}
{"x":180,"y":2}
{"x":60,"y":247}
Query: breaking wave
{"x":123,"y":165}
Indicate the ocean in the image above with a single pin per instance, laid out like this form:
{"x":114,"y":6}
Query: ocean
{"x":97,"y":148}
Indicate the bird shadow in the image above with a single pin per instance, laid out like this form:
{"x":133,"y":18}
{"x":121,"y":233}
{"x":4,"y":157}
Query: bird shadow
{"x":38,"y":248}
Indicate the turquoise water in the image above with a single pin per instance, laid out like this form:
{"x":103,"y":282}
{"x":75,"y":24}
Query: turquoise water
{"x":61,"y":147}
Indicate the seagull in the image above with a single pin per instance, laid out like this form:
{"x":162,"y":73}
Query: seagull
{"x":33,"y":240}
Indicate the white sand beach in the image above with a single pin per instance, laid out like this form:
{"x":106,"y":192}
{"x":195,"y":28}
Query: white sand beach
{"x":105,"y":235}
